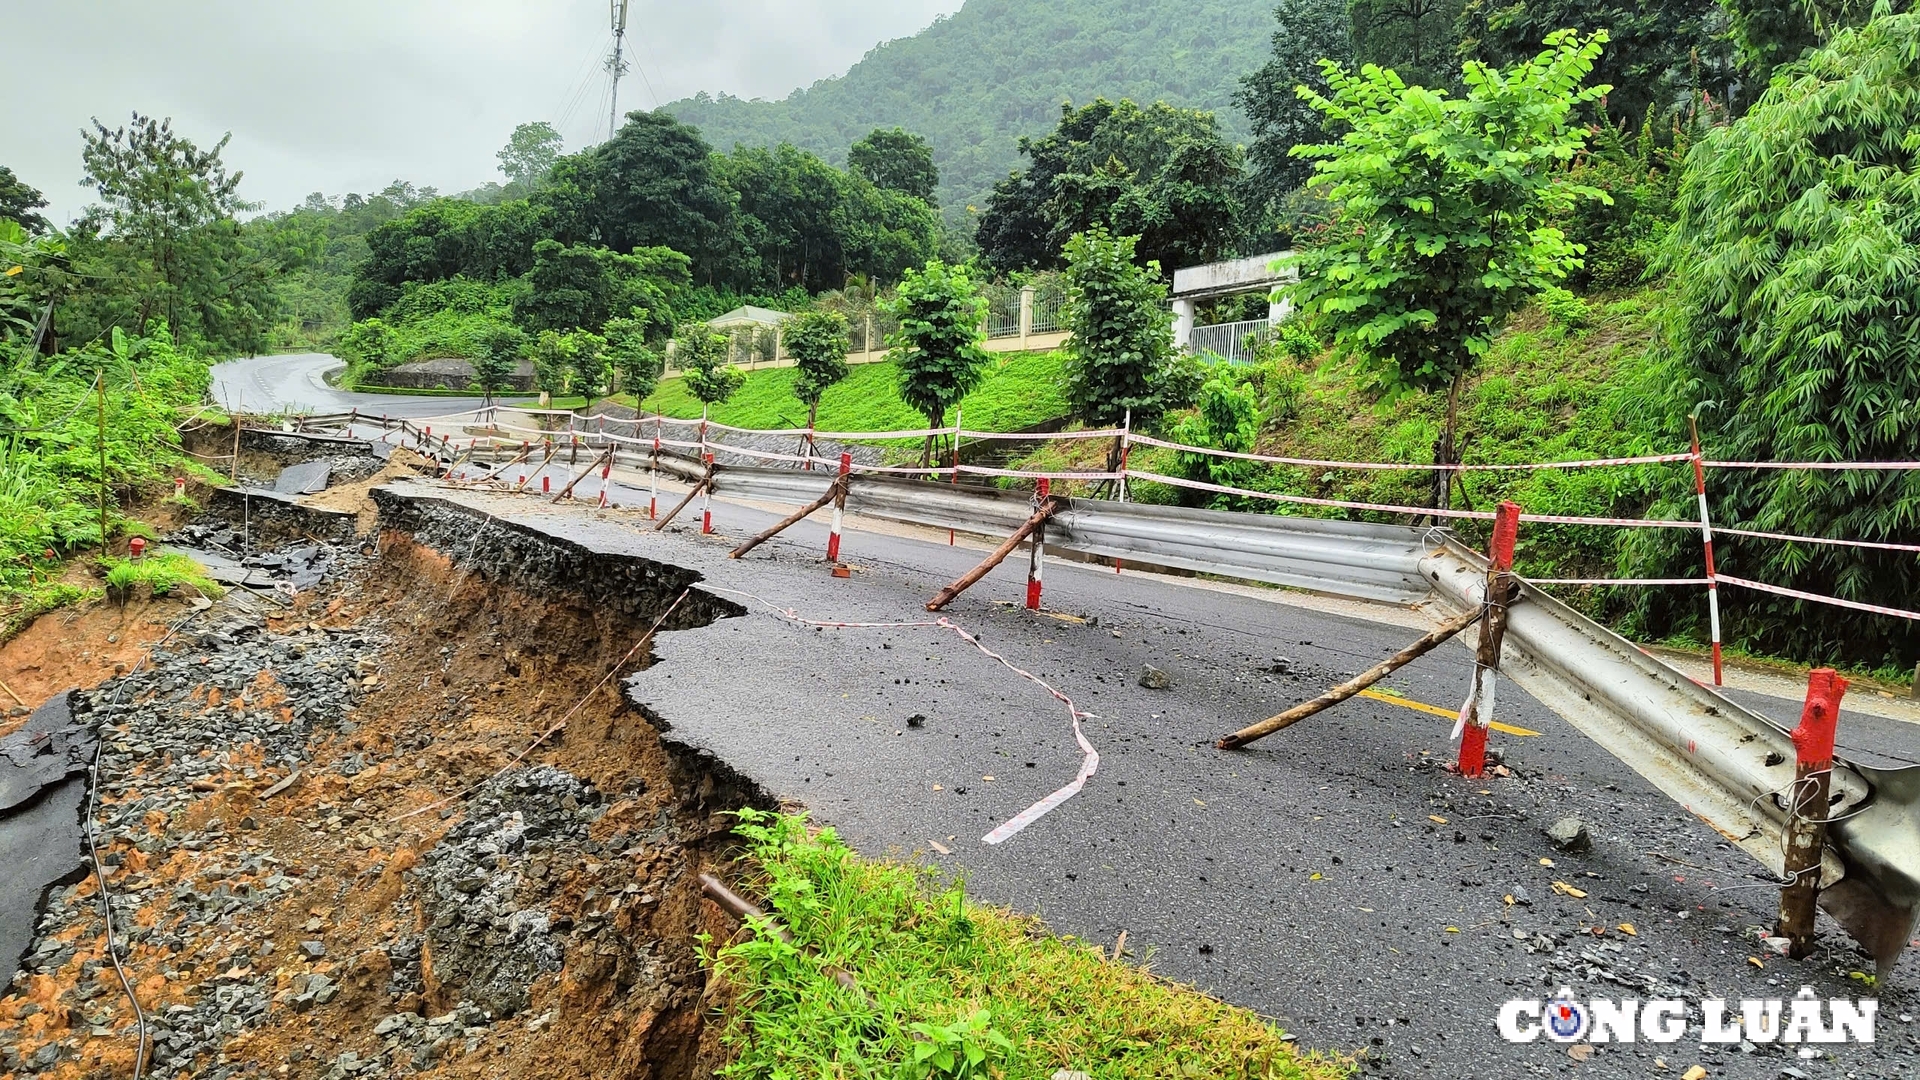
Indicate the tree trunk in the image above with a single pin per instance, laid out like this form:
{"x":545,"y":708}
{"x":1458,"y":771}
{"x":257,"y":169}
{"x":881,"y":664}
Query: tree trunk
{"x":1444,"y":452}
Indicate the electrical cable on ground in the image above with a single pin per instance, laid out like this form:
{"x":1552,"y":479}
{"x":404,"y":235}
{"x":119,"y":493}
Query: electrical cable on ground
{"x":93,"y":843}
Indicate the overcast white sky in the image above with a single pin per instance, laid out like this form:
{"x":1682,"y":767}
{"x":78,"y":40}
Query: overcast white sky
{"x":347,"y":95}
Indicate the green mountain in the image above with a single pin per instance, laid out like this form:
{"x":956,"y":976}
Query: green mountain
{"x":975,"y":81}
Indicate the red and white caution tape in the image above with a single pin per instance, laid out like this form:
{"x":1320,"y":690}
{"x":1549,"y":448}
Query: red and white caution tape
{"x":1089,"y":757}
{"x":982,"y":470}
{"x":1617,"y":581}
{"x":1651,"y":459}
{"x":1781,"y":590}
{"x":1874,"y":544}
{"x":1050,"y":436}
{"x":1842,"y":466}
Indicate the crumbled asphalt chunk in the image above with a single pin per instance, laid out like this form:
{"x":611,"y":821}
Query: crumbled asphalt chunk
{"x":1154,"y":678}
{"x":1570,"y":834}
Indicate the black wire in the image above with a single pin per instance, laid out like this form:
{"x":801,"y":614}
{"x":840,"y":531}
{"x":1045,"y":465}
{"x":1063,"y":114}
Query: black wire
{"x":93,"y":845}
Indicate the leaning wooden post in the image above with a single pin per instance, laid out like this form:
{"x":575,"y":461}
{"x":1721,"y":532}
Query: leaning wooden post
{"x":1352,"y":686}
{"x":681,"y":505}
{"x":653,"y":476}
{"x":1036,"y":550}
{"x":1807,"y":817}
{"x":832,"y":492}
{"x":1048,"y":508}
{"x":839,"y":507}
{"x":1477,"y":714}
{"x":567,"y":492}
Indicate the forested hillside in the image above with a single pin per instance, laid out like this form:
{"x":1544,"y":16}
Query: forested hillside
{"x":974,"y":82}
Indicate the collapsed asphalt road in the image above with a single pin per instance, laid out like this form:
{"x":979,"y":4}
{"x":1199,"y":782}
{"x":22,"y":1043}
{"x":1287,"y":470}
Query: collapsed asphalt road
{"x":1333,"y":877}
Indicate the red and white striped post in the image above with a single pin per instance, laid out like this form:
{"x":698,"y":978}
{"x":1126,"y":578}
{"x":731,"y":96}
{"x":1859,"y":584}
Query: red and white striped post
{"x":606,"y":478}
{"x":1706,"y":541}
{"x":955,"y":477}
{"x":1126,"y":447}
{"x":1476,"y":716}
{"x":706,"y":497}
{"x":839,"y":510}
{"x":653,"y":476}
{"x":1037,"y":548}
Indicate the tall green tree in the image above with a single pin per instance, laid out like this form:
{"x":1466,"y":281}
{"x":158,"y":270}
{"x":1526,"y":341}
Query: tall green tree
{"x":1448,"y":211}
{"x":936,"y":348}
{"x":496,"y":358}
{"x":1661,"y":54}
{"x":576,"y":287}
{"x":21,"y":202}
{"x":818,"y":341}
{"x":1162,"y":173}
{"x":1795,"y":270}
{"x":632,"y":353}
{"x":701,"y":354}
{"x":1417,"y":38}
{"x":1120,"y":357}
{"x":654,"y":185}
{"x":530,"y":153}
{"x":1769,"y":33}
{"x":1309,"y":31}
{"x":163,"y":242}
{"x":895,"y":159}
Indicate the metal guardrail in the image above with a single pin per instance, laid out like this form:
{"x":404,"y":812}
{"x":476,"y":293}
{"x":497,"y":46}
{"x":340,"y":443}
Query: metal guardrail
{"x":1722,"y":762}
{"x":1234,"y":342}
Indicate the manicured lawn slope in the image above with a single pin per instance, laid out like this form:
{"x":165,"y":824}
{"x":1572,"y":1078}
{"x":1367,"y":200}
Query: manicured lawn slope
{"x":1021,"y":389}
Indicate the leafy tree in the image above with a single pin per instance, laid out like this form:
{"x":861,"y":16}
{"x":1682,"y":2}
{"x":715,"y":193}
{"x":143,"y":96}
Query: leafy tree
{"x":654,"y":185}
{"x":1661,"y":53}
{"x":592,"y":374}
{"x":1769,"y":33}
{"x":1795,"y":264}
{"x":1310,"y":31}
{"x":1447,"y":214}
{"x":818,"y":341}
{"x":895,"y":159}
{"x":33,"y":272}
{"x":631,"y":352}
{"x":1414,"y":37}
{"x":19,"y":202}
{"x":1228,"y":418}
{"x":1120,"y":356}
{"x":552,"y":356}
{"x":530,"y":153}
{"x":936,"y":348}
{"x":163,"y":242}
{"x":701,"y":354}
{"x":497,"y":357}
{"x":1161,"y":173}
{"x":369,"y":344}
{"x":582,"y":287}
{"x":787,"y":200}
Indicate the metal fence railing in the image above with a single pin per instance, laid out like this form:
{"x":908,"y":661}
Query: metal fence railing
{"x":1234,"y":342}
{"x":1003,"y":311}
{"x":1049,"y":307}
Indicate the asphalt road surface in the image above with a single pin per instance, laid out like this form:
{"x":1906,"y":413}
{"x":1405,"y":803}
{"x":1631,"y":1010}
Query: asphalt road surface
{"x":1333,"y":877}
{"x":294,"y":383}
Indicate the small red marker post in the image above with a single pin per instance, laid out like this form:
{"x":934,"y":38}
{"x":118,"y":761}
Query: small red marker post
{"x":1036,"y":549}
{"x":1477,"y":714}
{"x":546,"y":485}
{"x":1806,"y":833}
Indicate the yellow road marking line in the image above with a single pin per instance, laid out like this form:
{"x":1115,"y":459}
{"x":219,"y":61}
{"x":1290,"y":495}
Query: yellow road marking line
{"x":1451,"y":714}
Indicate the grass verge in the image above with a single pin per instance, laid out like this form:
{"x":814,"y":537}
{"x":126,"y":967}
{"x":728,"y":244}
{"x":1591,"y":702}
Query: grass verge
{"x":1018,"y":391}
{"x":952,"y":988}
{"x":159,"y":575}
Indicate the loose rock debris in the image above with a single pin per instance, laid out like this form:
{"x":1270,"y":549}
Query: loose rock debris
{"x":274,"y":917}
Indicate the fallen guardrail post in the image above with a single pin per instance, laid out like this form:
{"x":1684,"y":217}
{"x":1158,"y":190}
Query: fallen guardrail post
{"x":1036,"y":553}
{"x":1048,"y":507}
{"x":1352,"y":686}
{"x":682,"y":504}
{"x":1807,"y":813}
{"x":567,"y":492}
{"x":1477,"y":714}
{"x":831,"y":494}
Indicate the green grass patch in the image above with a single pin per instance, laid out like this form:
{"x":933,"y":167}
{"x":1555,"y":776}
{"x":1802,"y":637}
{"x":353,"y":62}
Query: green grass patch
{"x":953,"y":988}
{"x":158,"y":575}
{"x":1018,"y":391}
{"x":25,"y":604}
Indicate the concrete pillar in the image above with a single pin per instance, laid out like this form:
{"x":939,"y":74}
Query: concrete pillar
{"x":1183,"y":315}
{"x":869,"y":341}
{"x":1278,"y":310}
{"x":1026,"y":314}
